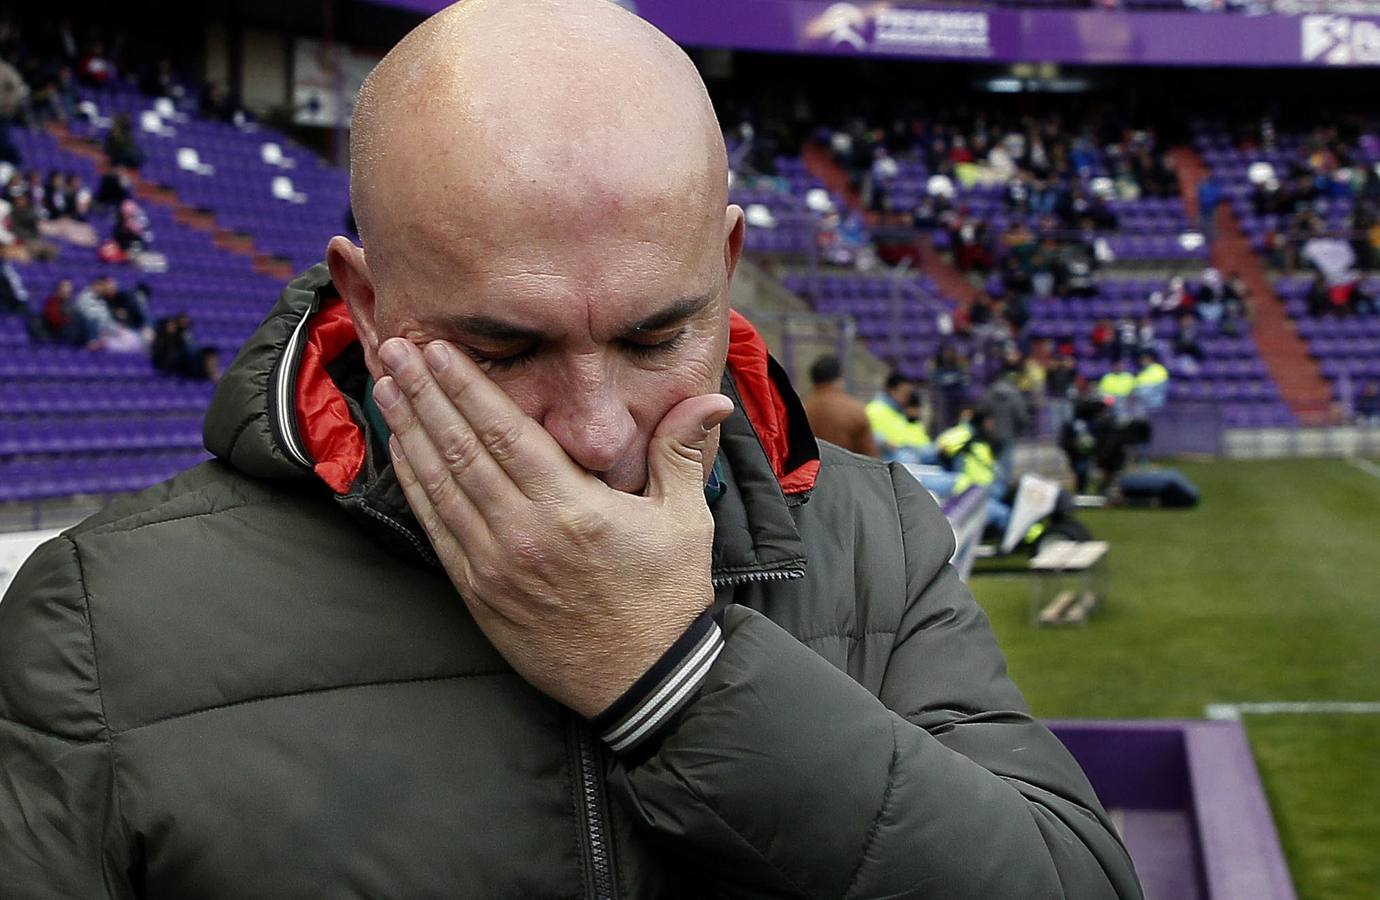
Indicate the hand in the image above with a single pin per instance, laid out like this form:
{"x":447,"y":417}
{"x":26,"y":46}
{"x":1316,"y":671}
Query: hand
{"x":581,"y":588}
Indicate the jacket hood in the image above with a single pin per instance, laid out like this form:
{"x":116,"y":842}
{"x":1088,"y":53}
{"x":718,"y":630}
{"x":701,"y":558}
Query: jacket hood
{"x":289,"y":407}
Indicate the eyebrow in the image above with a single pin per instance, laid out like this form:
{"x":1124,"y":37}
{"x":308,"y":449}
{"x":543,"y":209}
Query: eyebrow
{"x":494,"y":329}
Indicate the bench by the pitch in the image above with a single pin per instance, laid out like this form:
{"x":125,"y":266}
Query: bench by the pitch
{"x":1068,"y":581}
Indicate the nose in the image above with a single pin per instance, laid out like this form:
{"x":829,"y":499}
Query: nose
{"x":593,"y":425}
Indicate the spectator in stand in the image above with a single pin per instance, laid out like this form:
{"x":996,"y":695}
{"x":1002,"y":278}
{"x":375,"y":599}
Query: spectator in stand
{"x":131,"y":307}
{"x":1152,"y":384}
{"x":834,"y":414}
{"x":1236,"y":311}
{"x":1034,"y":374}
{"x":56,"y":199}
{"x":1100,"y":215}
{"x":1047,"y":268}
{"x":1175,"y":300}
{"x":93,"y":319}
{"x":115,"y":188}
{"x":1211,"y":298}
{"x":1116,"y":389}
{"x":1125,"y":339}
{"x":900,"y":438}
{"x":56,"y":100}
{"x":1061,"y":383}
{"x":160,"y":80}
{"x":1209,"y":198}
{"x":132,"y":232}
{"x":1188,"y":348}
{"x":121,"y":148}
{"x":1319,"y":302}
{"x":24,"y":225}
{"x":1102,"y":338}
{"x":13,"y":296}
{"x":949,"y":379}
{"x":57,"y":320}
{"x":175,"y":352}
{"x":1008,"y":411}
{"x":1078,"y":442}
{"x":1078,"y":265}
{"x":95,"y":68}
{"x":1146,"y":339}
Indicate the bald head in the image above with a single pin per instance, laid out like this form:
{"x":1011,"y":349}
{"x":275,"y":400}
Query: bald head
{"x":531,"y":114}
{"x":543,"y":183}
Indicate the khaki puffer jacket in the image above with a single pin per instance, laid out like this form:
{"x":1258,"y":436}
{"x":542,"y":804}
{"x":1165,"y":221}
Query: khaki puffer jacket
{"x":253,"y":681}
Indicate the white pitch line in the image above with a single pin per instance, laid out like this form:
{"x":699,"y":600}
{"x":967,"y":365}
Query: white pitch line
{"x":1364,"y":465}
{"x":1324,"y":707}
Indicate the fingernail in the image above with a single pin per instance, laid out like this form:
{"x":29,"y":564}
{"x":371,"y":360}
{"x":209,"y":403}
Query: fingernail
{"x":393,"y":354}
{"x":436,"y":356}
{"x":386,"y":393}
{"x":715,"y":418}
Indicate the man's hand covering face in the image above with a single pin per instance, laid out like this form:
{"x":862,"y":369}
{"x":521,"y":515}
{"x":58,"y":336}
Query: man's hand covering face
{"x":581,"y":588}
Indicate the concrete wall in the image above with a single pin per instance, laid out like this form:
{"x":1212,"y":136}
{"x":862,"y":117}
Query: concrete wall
{"x":217,"y":54}
{"x":795,"y":335}
{"x":266,"y":80}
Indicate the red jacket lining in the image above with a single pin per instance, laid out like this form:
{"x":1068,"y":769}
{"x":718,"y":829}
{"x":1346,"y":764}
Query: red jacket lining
{"x":336,"y":441}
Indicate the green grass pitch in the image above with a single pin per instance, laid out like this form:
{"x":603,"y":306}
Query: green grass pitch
{"x":1268,"y":591}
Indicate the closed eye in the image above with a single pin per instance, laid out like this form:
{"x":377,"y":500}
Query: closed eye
{"x":503,"y":362}
{"x":641,"y":350}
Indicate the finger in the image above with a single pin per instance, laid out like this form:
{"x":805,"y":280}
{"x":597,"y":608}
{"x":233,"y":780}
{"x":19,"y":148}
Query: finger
{"x":427,"y":410}
{"x":676,"y":463}
{"x":531,"y":457}
{"x":448,"y":548}
{"x":426,"y":466}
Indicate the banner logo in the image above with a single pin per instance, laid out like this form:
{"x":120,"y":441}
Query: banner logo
{"x":1340,"y":40}
{"x":845,"y":23}
{"x":906,"y":31}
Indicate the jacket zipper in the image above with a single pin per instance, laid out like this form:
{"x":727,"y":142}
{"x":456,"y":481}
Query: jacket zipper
{"x":282,"y":390}
{"x":422,"y":548}
{"x":601,"y":883}
{"x":721,"y":581}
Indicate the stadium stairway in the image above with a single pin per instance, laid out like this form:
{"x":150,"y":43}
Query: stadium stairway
{"x":950,"y":281}
{"x":1295,"y":371}
{"x":1189,"y":169}
{"x":233,"y":242}
{"x":819,"y":164}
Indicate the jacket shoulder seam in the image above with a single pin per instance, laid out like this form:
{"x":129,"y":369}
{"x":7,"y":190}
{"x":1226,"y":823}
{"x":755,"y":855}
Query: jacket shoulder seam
{"x":264,"y":698}
{"x":119,"y":810}
{"x":119,"y":526}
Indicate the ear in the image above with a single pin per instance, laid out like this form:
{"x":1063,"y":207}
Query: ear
{"x":350,"y":275}
{"x":734,"y":227}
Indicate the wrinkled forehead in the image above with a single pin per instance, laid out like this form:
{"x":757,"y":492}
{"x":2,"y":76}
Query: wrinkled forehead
{"x":550,"y":226}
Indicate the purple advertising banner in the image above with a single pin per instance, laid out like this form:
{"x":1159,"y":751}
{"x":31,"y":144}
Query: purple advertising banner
{"x":893,"y":29}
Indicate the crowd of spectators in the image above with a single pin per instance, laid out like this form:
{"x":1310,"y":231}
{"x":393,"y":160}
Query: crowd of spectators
{"x":103,"y":316}
{"x":38,"y":215}
{"x":1333,"y":164}
{"x":1041,"y":162}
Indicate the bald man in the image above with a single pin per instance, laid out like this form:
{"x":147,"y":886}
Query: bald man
{"x":518,"y":572}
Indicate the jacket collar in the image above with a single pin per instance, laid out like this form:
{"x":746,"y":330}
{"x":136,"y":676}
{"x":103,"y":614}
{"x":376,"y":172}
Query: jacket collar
{"x":288,"y":408}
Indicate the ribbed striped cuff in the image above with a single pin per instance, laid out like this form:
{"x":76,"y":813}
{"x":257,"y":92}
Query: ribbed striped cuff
{"x":639,"y":717}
